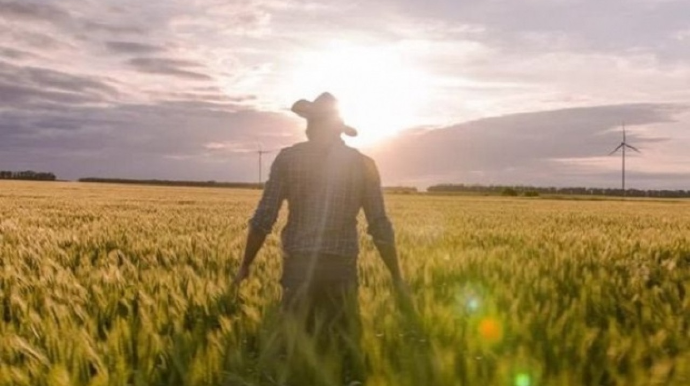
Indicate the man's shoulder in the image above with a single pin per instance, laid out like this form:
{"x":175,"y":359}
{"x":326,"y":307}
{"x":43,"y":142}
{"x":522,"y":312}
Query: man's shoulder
{"x":308,"y":147}
{"x":366,"y":159}
{"x":290,"y":151}
{"x":367,"y":163}
{"x":294,"y":149}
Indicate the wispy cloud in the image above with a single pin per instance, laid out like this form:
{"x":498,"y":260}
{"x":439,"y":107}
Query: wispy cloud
{"x":172,"y":67}
{"x":33,"y":11}
{"x":125,"y":47}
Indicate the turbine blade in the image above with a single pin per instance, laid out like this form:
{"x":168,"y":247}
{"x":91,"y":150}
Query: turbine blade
{"x":623,"y":132}
{"x":633,"y":147}
{"x":616,"y":149}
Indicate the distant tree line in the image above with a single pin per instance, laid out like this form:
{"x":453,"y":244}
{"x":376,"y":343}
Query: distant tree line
{"x":400,"y":189}
{"x":29,"y":175}
{"x":213,"y":184}
{"x":534,"y":191}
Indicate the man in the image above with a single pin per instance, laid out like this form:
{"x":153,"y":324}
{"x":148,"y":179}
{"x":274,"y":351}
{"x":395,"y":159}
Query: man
{"x":325,"y":183}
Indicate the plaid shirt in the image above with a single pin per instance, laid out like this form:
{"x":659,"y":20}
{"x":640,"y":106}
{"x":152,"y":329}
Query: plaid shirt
{"x":325,"y":187}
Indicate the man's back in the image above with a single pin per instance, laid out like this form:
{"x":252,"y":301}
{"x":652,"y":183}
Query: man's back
{"x":325,"y":185}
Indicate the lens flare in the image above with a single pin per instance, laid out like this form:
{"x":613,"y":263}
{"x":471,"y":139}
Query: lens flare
{"x":491,"y":330}
{"x":523,"y":379}
{"x":469,"y":300}
{"x":473,"y":304}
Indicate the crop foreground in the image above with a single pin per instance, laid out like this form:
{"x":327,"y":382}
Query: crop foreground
{"x":130,"y":285}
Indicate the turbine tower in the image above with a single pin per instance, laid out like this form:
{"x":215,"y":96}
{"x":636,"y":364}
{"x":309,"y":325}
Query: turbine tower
{"x":261,"y":153}
{"x":623,"y":145}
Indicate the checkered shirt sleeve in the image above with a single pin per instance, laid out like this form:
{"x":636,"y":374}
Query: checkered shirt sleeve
{"x":272,"y":199}
{"x":380,"y":227}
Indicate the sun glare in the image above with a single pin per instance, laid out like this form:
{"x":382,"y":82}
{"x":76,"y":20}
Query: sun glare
{"x":380,"y":93}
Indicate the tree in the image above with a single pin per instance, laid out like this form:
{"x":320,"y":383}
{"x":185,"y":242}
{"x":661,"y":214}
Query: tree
{"x":507,"y":191}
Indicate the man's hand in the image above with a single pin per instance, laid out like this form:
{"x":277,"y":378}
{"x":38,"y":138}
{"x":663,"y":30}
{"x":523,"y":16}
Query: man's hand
{"x":241,"y":274}
{"x":402,"y":293}
{"x":401,"y":288}
{"x":254,"y":242}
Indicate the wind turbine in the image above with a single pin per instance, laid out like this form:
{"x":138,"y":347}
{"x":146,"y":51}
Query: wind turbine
{"x":623,"y":145}
{"x":261,"y":153}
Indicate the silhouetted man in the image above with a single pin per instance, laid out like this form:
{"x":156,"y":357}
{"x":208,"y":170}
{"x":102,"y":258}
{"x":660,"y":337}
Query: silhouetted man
{"x":325,"y":183}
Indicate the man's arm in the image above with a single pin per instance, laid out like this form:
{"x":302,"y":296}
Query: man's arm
{"x":380,"y":227}
{"x":264,"y":217}
{"x":255,"y":240}
{"x":389,"y":255}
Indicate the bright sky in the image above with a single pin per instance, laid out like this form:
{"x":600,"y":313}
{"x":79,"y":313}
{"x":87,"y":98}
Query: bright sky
{"x":491,"y":92}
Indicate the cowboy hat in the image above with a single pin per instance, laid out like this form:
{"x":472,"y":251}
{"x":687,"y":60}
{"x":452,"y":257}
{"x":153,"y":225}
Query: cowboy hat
{"x":324,"y":106}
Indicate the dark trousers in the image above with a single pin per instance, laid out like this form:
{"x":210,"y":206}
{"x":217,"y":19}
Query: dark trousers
{"x":320,"y":292}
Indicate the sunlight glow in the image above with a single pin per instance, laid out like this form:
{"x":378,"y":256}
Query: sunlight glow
{"x":380,"y":92}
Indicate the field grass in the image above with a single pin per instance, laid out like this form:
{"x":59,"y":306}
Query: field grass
{"x":129,"y":285}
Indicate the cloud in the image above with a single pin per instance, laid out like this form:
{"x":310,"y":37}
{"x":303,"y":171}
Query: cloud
{"x":610,"y":26}
{"x":200,"y":105}
{"x":213,"y":95}
{"x":35,"y":43}
{"x":25,"y":86}
{"x":46,"y":78}
{"x":682,"y":35}
{"x":232,"y":147}
{"x":526,"y":148}
{"x":112,"y":28}
{"x":13,"y":95}
{"x":72,"y":105}
{"x":124,"y":47}
{"x":29,"y":11}
{"x":161,"y":140}
{"x":12,"y":53}
{"x":170,"y":67}
{"x":213,"y":18}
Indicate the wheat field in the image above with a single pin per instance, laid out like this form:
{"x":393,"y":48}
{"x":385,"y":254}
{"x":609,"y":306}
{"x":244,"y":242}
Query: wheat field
{"x":130,"y":285}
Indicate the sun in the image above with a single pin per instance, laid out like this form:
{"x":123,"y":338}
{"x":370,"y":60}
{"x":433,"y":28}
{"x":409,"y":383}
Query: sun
{"x":380,"y":93}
